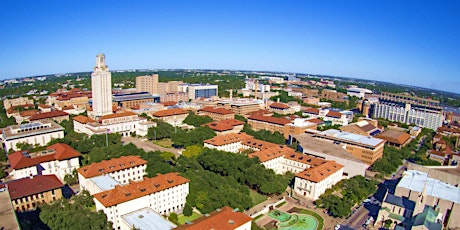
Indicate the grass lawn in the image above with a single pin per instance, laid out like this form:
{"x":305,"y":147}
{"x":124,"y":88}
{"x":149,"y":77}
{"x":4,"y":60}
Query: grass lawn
{"x":183,"y":218}
{"x":280,"y":204}
{"x":166,"y":143}
{"x":256,"y":197}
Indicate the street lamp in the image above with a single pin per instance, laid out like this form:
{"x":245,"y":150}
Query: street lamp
{"x":155,"y":135}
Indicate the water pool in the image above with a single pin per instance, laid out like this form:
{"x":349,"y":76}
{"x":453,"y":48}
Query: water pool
{"x":294,"y":221}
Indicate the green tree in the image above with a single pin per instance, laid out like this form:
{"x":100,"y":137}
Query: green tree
{"x":192,"y":137}
{"x":75,"y":214}
{"x":241,"y":118}
{"x":196,"y":120}
{"x":173,"y":218}
{"x":161,"y":131}
{"x":188,"y":211}
{"x":71,"y":179}
{"x":2,"y":172}
{"x":192,"y":151}
{"x":24,"y":146}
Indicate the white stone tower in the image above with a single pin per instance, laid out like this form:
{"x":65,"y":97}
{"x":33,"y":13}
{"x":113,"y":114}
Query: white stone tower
{"x":101,"y":86}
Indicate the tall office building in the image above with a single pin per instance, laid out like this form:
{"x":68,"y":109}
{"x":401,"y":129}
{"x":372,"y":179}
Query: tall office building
{"x":101,"y":85}
{"x":147,"y":83}
{"x":407,"y":109}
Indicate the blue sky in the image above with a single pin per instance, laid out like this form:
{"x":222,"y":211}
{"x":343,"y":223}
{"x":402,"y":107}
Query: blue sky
{"x":409,"y":42}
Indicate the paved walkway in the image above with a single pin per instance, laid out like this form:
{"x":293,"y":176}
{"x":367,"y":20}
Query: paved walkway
{"x":257,"y":208}
{"x":149,"y":145}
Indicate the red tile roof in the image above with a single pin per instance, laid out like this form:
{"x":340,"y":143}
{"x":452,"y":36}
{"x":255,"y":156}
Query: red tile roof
{"x":258,"y":144}
{"x":273,"y":120}
{"x":61,"y":152}
{"x":279,"y":105}
{"x":447,"y":129}
{"x":211,"y":109}
{"x":83,"y":119}
{"x":334,"y":114}
{"x":112,"y":165}
{"x":304,"y":159}
{"x":261,"y":112}
{"x":134,"y":190}
{"x":224,"y":125}
{"x":319,"y":173}
{"x":30,"y":186}
{"x":224,"y":219}
{"x":170,"y":112}
{"x":120,"y":114}
{"x":315,"y":120}
{"x":271,"y":153}
{"x":44,"y":106}
{"x":394,"y":137}
{"x":227,"y":139}
{"x":169,"y":103}
{"x":56,"y":113}
{"x":68,"y":107}
{"x":28,"y":113}
{"x":312,"y":111}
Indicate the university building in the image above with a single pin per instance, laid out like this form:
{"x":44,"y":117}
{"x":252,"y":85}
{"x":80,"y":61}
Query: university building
{"x":367,"y":149}
{"x":125,"y":123}
{"x":174,"y":117}
{"x":216,"y":114}
{"x":27,"y":193}
{"x":120,"y":171}
{"x":241,"y":107}
{"x":313,"y":174}
{"x":34,"y":133}
{"x":199,"y":91}
{"x":224,"y":127}
{"x":421,"y":202}
{"x":408,"y":109}
{"x":164,"y":193}
{"x":58,"y":159}
{"x":147,"y":83}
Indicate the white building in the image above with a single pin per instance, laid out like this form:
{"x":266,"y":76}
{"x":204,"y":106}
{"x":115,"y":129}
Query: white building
{"x":164,"y":193}
{"x":122,"y":170}
{"x":58,"y":159}
{"x":358,"y":92}
{"x":101,"y":87}
{"x":408,"y":109}
{"x":335,"y":117}
{"x":314,"y":181}
{"x":252,"y":83}
{"x":313,"y":175}
{"x":34,"y":133}
{"x":229,"y":143}
{"x":409,"y":114}
{"x":125,"y":123}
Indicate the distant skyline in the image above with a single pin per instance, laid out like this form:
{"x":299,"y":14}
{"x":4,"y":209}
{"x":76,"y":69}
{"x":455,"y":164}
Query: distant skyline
{"x":403,"y":42}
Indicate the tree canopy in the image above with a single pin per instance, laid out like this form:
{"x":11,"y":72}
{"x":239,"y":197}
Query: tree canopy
{"x":75,"y":214}
{"x":196,"y":120}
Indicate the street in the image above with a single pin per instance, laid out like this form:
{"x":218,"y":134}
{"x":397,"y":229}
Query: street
{"x":357,"y":219}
